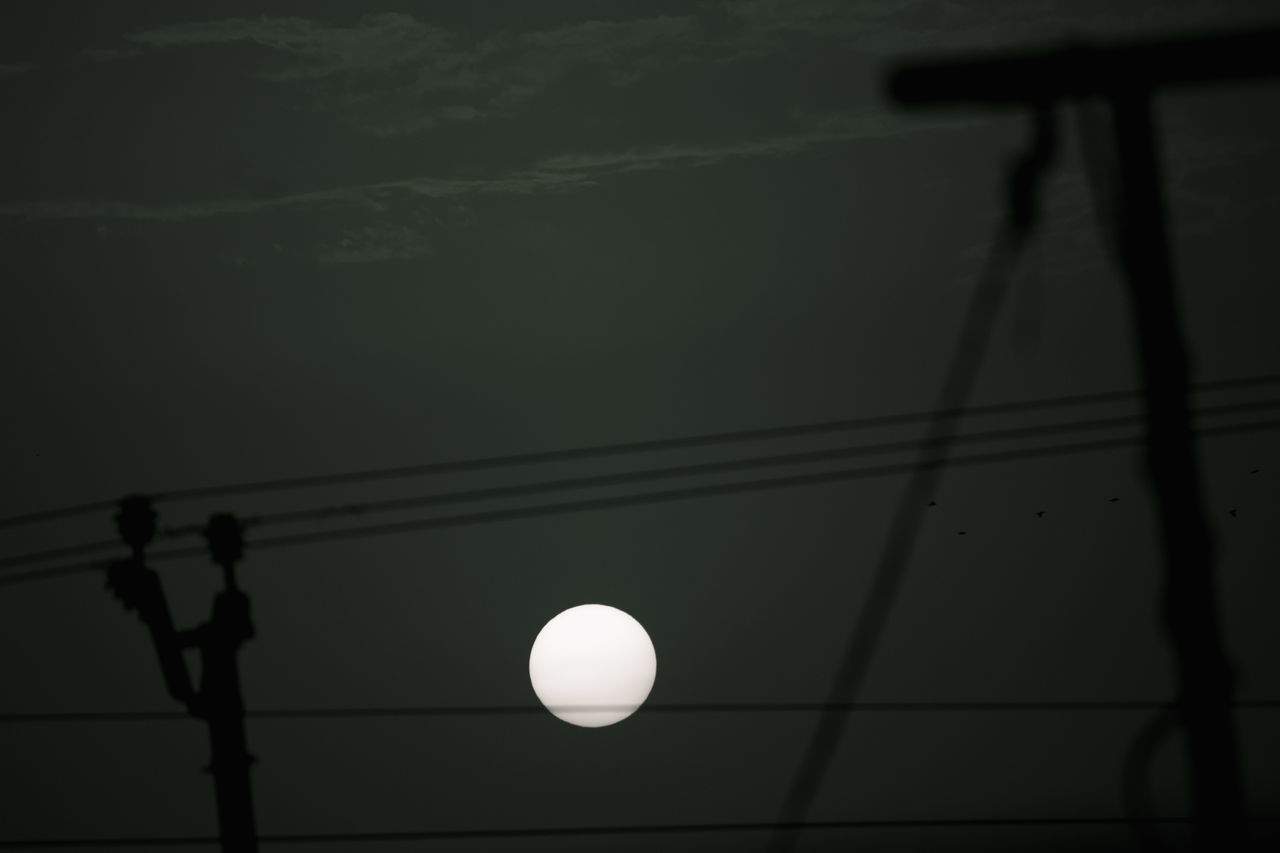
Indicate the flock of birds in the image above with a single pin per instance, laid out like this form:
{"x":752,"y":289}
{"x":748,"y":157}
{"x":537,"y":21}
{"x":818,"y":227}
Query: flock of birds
{"x":1040,"y":513}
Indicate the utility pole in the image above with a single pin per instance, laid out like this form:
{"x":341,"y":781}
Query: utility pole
{"x":218,"y":701}
{"x":1127,"y":78}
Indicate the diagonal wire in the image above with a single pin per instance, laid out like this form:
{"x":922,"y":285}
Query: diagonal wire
{"x":600,"y":451}
{"x":365,"y":508}
{"x":725,"y":467}
{"x":646,"y":498}
{"x":960,"y":377}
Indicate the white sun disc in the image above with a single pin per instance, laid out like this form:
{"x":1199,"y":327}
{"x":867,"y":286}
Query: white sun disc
{"x":592,"y":665}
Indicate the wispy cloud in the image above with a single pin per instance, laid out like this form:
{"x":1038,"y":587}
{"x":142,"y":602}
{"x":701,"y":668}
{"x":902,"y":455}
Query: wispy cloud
{"x":1190,"y":153}
{"x":393,"y":74}
{"x":378,"y":241}
{"x":376,"y":42}
{"x":438,"y":79}
{"x":826,"y":130}
{"x":372,"y":196}
{"x":557,"y":174}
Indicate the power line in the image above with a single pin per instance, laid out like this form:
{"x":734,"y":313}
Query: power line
{"x":629,"y":477}
{"x":651,"y":829}
{"x":724,"y":467}
{"x":599,"y":504}
{"x":957,"y":823}
{"x":648,"y":708}
{"x":597,"y":451}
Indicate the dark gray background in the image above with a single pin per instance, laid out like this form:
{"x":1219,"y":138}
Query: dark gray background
{"x":243,"y":241}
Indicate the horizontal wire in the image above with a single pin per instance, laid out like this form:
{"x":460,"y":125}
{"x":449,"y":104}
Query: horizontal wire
{"x":652,"y":829}
{"x":596,"y":451}
{"x":629,"y":477}
{"x":601,"y":504}
{"x":656,"y":708}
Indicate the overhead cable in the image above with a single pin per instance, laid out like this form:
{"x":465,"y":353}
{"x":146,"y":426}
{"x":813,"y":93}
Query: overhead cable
{"x":646,"y":498}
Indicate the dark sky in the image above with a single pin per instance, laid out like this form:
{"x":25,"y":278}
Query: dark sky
{"x":248,"y":241}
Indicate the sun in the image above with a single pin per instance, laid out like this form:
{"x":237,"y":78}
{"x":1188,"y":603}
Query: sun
{"x":592,"y":665}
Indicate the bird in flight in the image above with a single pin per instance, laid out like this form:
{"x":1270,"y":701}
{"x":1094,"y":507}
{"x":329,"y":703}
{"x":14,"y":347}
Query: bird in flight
{"x":1231,"y":512}
{"x":933,"y":503}
{"x":1040,"y":514}
{"x":1112,"y":500}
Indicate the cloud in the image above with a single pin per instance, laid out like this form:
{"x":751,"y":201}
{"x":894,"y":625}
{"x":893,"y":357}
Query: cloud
{"x":392,"y":74}
{"x":375,"y":42}
{"x":557,"y":174}
{"x":606,"y":40}
{"x":824,"y":131}
{"x":380,"y":241}
{"x":371,"y":196}
{"x":448,"y":81}
{"x":579,"y":171}
{"x":499,"y":76}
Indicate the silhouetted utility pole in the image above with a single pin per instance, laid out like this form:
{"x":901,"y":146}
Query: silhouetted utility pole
{"x":1127,"y":78}
{"x":218,"y":701}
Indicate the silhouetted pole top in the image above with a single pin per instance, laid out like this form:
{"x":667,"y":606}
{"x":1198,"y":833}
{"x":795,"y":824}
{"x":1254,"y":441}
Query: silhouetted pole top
{"x":1082,"y":69}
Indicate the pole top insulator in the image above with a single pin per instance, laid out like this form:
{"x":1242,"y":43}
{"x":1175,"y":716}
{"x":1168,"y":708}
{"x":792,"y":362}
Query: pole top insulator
{"x":226,"y":542}
{"x":136,"y":521}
